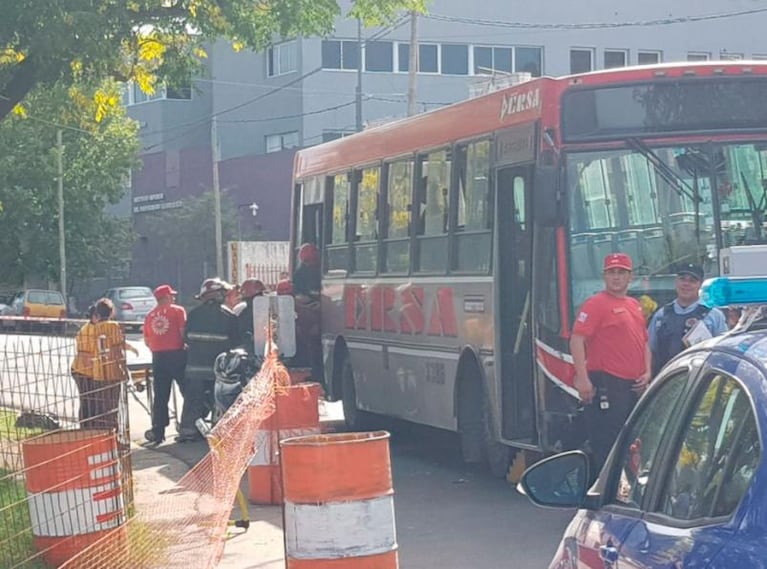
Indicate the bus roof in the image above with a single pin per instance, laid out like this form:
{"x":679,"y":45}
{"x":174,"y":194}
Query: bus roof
{"x":486,"y":114}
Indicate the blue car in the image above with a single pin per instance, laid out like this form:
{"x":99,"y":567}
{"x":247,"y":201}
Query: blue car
{"x":685,"y":485}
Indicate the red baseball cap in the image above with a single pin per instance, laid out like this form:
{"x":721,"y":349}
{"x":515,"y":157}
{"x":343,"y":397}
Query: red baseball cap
{"x":618,"y":261}
{"x":164,"y":290}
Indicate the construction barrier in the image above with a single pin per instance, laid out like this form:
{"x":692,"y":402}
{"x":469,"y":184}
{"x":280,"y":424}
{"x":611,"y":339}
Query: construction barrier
{"x":296,"y":413}
{"x":339,"y":502}
{"x":74,"y":491}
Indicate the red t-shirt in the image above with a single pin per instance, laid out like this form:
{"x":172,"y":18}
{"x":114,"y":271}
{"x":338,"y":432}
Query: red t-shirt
{"x":164,"y":328}
{"x":616,"y":335}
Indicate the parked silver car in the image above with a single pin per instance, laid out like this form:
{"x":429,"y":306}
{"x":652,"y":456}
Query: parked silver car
{"x":132,"y":303}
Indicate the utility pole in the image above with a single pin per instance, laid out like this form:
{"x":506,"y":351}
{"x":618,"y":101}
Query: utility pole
{"x":358,"y":91}
{"x":62,"y":244}
{"x":217,"y":197}
{"x":413,"y":64}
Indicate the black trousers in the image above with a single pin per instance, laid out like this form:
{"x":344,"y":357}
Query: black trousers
{"x":99,"y":401}
{"x":198,"y":403}
{"x":603,"y":425}
{"x":166,"y":367}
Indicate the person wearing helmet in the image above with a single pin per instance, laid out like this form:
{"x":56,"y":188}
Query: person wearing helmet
{"x":211,"y":329}
{"x":249,"y":289}
{"x":306,"y":277}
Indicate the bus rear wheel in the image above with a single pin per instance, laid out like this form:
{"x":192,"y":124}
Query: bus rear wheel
{"x":355,"y":419}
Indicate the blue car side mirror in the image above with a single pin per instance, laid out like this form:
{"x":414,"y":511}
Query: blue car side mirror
{"x":560,"y":481}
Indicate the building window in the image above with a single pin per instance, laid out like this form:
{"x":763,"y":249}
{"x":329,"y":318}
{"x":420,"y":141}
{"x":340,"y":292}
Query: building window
{"x":698,"y":56}
{"x":379,"y":56}
{"x":282,"y":58}
{"x":615,"y":58}
{"x":759,"y":57}
{"x":337,"y":54}
{"x":528,"y":60}
{"x":648,"y":57}
{"x":488,"y":60}
{"x":281,"y":141}
{"x":428,"y":58}
{"x":455,"y":59}
{"x":403,"y":57}
{"x":581,"y":60}
{"x":328,"y":135}
{"x":730,"y":56}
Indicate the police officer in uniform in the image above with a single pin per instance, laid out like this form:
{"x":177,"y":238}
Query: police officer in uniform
{"x":211,"y":329}
{"x":672,"y":322}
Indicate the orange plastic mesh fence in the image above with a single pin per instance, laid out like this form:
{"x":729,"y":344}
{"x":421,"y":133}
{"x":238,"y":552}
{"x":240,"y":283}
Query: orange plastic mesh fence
{"x":64,"y":440}
{"x":66,"y":482}
{"x":186,"y":528}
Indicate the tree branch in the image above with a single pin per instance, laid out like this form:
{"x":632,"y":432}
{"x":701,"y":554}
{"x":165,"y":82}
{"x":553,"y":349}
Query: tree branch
{"x":22,"y":81}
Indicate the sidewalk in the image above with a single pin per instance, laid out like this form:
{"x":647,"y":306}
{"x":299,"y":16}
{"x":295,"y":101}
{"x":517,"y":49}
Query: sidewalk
{"x":156,"y":471}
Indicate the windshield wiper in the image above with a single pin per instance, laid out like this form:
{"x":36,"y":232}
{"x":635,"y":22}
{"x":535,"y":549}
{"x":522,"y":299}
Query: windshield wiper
{"x":757,"y":213}
{"x":664,"y":170}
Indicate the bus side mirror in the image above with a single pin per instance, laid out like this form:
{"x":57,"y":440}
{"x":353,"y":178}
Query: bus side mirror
{"x":546,"y":195}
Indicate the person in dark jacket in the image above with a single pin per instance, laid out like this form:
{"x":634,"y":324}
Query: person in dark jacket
{"x":306,"y":277}
{"x":210,"y":330}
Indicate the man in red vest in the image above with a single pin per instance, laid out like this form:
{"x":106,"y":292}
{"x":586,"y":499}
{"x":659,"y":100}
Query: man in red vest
{"x":164,"y":330}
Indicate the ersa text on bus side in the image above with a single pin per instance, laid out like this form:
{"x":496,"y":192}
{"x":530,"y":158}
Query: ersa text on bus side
{"x":401,"y":310}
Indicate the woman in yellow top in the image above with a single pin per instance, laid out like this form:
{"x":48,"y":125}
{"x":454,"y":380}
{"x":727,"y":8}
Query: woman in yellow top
{"x":99,"y":367}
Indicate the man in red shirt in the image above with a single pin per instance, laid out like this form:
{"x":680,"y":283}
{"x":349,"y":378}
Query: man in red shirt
{"x":611,"y":354}
{"x":164,"y":330}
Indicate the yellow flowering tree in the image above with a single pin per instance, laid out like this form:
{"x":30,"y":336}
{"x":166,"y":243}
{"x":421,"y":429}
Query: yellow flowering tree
{"x":43,"y":42}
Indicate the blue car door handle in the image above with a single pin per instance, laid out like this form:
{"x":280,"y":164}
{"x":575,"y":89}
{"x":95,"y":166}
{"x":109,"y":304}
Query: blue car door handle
{"x":608,"y":553}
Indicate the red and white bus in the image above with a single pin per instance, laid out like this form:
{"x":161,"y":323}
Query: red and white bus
{"x":458,"y":243}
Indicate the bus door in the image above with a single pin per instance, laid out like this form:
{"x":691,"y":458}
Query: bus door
{"x":309,"y":217}
{"x":513,"y":282}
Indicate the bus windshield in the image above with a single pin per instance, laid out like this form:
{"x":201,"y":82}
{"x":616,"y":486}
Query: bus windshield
{"x":658,"y":205}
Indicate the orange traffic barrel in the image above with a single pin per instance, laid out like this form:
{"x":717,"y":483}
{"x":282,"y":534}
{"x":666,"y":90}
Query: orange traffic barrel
{"x":299,"y":375}
{"x":339,"y":502}
{"x":296,"y":413}
{"x":74,"y":491}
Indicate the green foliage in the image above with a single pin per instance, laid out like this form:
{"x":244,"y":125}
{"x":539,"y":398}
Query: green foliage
{"x":97,"y":158}
{"x":16,"y":545}
{"x":50,"y":41}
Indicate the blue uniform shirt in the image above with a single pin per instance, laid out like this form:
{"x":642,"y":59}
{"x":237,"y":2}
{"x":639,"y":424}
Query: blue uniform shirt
{"x":715,"y":321}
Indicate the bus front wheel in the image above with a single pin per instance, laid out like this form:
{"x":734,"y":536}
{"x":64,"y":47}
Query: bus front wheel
{"x":475,"y":428}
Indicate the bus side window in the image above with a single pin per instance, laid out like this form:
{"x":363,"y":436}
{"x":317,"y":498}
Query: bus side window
{"x":431,"y":212}
{"x":473,"y":225}
{"x":337,"y":250}
{"x":396,"y":253}
{"x":366,"y":226}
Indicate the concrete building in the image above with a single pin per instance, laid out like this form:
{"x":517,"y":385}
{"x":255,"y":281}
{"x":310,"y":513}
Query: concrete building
{"x":302,"y":92}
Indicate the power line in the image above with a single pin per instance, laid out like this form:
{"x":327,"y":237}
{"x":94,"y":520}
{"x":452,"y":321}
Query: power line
{"x":295,"y":116}
{"x":593,"y":25}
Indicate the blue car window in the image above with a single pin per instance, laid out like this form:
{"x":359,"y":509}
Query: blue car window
{"x":641,"y":445}
{"x":717,"y":455}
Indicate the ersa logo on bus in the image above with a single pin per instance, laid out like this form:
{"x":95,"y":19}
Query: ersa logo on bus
{"x":400,"y":310}
{"x":515,"y":103}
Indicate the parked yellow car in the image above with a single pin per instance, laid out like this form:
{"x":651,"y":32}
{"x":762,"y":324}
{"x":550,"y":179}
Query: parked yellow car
{"x":35,"y":303}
